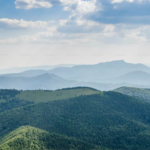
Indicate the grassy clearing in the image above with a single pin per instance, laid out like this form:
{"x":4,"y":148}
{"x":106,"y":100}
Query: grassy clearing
{"x":45,"y":96}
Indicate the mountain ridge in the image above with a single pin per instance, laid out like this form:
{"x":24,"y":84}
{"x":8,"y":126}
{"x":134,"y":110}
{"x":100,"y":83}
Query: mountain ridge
{"x":135,"y":77}
{"x":102,"y":76}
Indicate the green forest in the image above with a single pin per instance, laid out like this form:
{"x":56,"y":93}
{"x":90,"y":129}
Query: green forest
{"x":73,"y":119}
{"x":140,"y":93}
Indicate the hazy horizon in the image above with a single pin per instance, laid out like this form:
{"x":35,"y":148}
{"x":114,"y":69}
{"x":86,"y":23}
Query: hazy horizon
{"x":67,"y":65}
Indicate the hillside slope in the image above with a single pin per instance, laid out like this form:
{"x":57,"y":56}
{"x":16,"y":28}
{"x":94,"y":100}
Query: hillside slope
{"x":45,"y":95}
{"x":143,"y":94}
{"x":108,"y":119}
{"x":10,"y":99}
{"x":27,"y":137}
{"x":136,"y":77}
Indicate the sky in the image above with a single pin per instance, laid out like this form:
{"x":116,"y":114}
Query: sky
{"x":51,"y":32}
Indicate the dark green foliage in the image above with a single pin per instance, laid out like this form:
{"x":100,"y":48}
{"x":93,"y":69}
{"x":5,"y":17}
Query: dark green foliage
{"x":108,"y":119}
{"x":5,"y":94}
{"x":142,"y":94}
{"x":73,"y":88}
{"x":14,"y":103}
{"x":8,"y":100}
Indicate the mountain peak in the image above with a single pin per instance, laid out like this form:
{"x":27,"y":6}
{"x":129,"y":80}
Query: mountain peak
{"x":113,"y":62}
{"x":45,"y":75}
{"x":118,"y":61}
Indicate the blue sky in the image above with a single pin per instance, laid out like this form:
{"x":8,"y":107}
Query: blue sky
{"x":50,"y":32}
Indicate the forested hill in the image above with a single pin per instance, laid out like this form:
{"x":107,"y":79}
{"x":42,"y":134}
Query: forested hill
{"x":10,"y":99}
{"x":106,"y":119}
{"x":140,"y":93}
{"x":27,"y":137}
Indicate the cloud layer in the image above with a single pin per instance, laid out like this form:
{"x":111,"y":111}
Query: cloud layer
{"x":30,"y":4}
{"x":21,"y":24}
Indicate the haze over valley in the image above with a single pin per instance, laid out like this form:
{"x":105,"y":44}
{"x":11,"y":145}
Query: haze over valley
{"x":102,"y":76}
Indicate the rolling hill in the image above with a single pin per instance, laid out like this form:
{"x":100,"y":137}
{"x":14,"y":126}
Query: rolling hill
{"x":136,"y":77}
{"x":45,"y":96}
{"x":27,"y":137}
{"x":44,"y":81}
{"x":10,"y":99}
{"x":143,"y":94}
{"x":107,"y":119}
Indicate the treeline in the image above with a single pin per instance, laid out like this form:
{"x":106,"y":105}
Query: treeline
{"x":83,"y":88}
{"x":8,"y":94}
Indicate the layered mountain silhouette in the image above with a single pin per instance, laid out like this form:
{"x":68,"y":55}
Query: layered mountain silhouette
{"x":102,"y":76}
{"x":135,"y":77}
{"x":50,"y":82}
{"x":44,"y":81}
{"x":99,"y":72}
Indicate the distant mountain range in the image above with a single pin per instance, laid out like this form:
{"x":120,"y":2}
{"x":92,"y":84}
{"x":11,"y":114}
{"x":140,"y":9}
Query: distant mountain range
{"x":51,"y":82}
{"x":102,"y":76}
{"x":22,"y":69}
{"x":44,"y":81}
{"x":135,"y":77}
{"x":99,"y":72}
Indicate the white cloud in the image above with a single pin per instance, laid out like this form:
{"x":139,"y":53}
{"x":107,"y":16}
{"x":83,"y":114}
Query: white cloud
{"x":83,"y":26}
{"x":40,"y":37}
{"x":14,"y":23}
{"x":87,"y":23}
{"x":63,"y":22}
{"x":117,"y":1}
{"x":109,"y":28}
{"x":120,"y":1}
{"x":76,"y":21}
{"x":130,"y":1}
{"x":135,"y":35}
{"x":109,"y":42}
{"x":67,"y":2}
{"x":81,"y":7}
{"x":86,"y":31}
{"x":50,"y":32}
{"x":29,"y":4}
